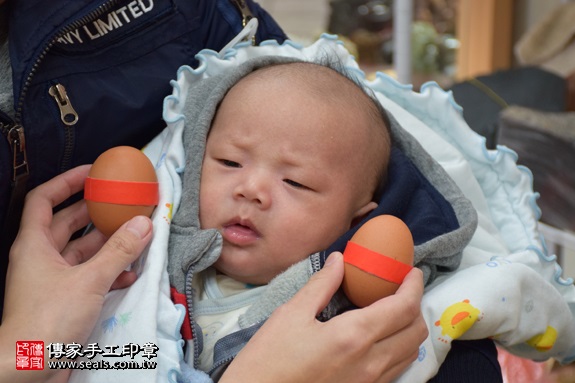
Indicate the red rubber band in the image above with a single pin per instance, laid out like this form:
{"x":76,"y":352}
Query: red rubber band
{"x":375,"y":263}
{"x":121,"y":192}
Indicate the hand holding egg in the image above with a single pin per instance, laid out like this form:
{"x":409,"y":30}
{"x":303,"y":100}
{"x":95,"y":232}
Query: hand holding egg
{"x":376,"y":260}
{"x":122,"y":184}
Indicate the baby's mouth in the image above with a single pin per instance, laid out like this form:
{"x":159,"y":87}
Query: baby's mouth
{"x":240,"y":233}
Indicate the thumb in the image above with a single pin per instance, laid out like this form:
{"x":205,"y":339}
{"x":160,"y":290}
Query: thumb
{"x":321,"y":287}
{"x":123,"y":248}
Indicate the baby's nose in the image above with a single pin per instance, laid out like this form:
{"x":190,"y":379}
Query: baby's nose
{"x":254,"y":188}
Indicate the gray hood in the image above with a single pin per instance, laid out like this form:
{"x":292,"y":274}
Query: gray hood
{"x":419,"y":191}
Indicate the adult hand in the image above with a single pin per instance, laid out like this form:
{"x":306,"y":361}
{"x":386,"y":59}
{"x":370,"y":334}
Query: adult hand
{"x":55,"y":288}
{"x":373,"y":344}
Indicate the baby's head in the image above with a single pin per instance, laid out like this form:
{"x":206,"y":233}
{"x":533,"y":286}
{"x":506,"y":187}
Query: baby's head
{"x":293,"y":158}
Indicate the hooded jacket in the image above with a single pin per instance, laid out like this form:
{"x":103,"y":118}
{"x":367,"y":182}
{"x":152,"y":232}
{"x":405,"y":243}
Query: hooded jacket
{"x":418,"y":191}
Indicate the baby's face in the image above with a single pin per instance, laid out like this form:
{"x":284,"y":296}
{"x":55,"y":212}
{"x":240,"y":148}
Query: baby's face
{"x":279,"y":179}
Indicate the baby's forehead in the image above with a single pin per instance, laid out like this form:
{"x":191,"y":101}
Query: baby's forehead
{"x":337,"y":92}
{"x":324,"y":83}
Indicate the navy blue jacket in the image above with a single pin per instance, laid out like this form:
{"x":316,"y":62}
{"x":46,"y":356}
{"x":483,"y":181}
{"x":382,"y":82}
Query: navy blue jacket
{"x":113,"y":60}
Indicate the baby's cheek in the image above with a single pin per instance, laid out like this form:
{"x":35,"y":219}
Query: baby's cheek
{"x":208,"y":207}
{"x":206,"y":215}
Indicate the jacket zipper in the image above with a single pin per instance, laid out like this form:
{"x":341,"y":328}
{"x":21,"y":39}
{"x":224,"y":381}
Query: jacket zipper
{"x":16,"y":140}
{"x":69,"y":118}
{"x":247,"y":15}
{"x":190,"y":299}
{"x":15,"y":135}
{"x":15,"y":132}
{"x":20,"y":173}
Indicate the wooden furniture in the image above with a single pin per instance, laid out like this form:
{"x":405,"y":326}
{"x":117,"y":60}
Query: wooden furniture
{"x":484,"y":29}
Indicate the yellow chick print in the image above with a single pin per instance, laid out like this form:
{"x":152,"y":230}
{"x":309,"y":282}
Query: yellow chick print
{"x":545,"y":341}
{"x":457,"y":319}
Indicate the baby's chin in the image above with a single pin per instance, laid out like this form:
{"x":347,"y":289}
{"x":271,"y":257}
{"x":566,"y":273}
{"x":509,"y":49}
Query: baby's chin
{"x":246,"y":266}
{"x":239,"y":274}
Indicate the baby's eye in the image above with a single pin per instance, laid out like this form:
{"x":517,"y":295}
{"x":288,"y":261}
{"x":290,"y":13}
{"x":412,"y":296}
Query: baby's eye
{"x":230,"y":164}
{"x":295,"y":184}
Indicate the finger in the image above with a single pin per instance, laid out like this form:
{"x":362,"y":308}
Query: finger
{"x":412,"y":283}
{"x":67,"y":221}
{"x":123,"y":248}
{"x":41,"y":200}
{"x":406,"y":345}
{"x":125,"y":279}
{"x":405,"y":342}
{"x":396,"y":370}
{"x":84,"y":248}
{"x":321,"y":287}
{"x":393,"y":313}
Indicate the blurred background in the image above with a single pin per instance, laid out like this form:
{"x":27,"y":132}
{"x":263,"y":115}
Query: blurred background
{"x":451,"y":39}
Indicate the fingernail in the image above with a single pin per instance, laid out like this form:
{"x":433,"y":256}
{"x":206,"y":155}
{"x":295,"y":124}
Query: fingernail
{"x":332,"y":258}
{"x":140,"y":226}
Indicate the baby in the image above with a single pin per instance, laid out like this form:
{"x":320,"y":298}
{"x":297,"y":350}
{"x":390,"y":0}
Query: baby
{"x":293,"y":158}
{"x":284,"y":160}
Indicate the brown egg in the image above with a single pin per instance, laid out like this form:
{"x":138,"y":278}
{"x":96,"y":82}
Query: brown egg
{"x":377,"y":258}
{"x":122,"y":184}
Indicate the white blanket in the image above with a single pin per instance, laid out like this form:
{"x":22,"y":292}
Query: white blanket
{"x":508,"y":286}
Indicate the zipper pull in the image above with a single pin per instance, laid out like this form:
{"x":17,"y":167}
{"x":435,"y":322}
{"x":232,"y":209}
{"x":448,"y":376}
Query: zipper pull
{"x":247,"y":15}
{"x":67,"y":113}
{"x":20,"y":175}
{"x":19,"y":159}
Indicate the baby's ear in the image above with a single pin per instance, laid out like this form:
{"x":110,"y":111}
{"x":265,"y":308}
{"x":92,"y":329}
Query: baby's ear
{"x":362,"y":212}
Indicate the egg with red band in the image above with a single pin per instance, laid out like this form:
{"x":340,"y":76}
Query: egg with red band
{"x":121,"y":184}
{"x":377,"y":258}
